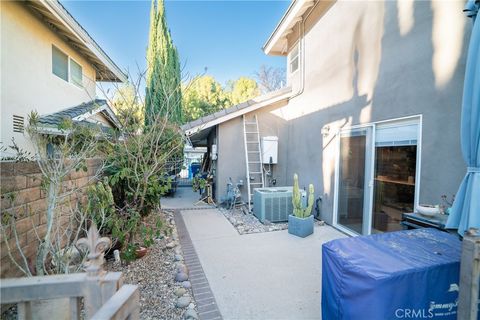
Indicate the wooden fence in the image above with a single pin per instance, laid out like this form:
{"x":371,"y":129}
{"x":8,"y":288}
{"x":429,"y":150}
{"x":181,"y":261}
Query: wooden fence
{"x":469,"y":276}
{"x":103,"y":293}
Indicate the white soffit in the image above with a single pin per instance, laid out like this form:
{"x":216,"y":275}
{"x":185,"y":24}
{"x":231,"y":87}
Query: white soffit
{"x":277,"y":42}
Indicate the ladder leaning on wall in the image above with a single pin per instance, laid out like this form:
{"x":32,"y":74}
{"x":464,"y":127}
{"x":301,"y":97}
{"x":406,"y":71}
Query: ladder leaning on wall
{"x":253,"y":156}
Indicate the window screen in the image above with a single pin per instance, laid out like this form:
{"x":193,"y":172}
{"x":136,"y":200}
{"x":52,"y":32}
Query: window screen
{"x":59,"y":63}
{"x":75,"y":73}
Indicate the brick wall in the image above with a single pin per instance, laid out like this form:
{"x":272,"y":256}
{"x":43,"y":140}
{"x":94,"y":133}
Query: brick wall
{"x":23,"y":180}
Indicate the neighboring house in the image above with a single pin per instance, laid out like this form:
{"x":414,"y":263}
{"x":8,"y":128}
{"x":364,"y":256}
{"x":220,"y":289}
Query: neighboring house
{"x":371,"y":115}
{"x":51,"y":65}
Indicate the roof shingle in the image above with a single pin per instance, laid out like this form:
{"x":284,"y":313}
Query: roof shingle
{"x":54,"y":119}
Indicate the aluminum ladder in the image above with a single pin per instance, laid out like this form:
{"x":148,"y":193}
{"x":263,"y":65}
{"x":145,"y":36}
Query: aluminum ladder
{"x":253,"y":157}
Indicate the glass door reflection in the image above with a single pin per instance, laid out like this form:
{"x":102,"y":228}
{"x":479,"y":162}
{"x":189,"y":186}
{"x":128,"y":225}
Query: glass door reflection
{"x":353,"y":176}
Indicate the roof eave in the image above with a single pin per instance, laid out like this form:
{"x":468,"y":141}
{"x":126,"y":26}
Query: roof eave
{"x":276,"y":43}
{"x":112,"y":73}
{"x":251,"y":105}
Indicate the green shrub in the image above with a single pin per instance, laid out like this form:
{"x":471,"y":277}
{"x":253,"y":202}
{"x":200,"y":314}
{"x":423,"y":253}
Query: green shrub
{"x":198,"y":183}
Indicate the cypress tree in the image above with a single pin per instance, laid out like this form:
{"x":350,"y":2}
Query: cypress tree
{"x":163,"y":81}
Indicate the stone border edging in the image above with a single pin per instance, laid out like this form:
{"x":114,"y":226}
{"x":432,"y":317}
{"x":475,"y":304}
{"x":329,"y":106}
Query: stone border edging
{"x":206,"y":304}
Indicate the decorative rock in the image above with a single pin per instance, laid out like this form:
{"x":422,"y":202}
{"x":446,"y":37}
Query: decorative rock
{"x":171,"y":245}
{"x":182,"y":302}
{"x":181,"y":276}
{"x":178,"y":257}
{"x":180,"y":266}
{"x":191,"y":305}
{"x":248,"y":223}
{"x":186,"y":284}
{"x":182,"y":269}
{"x":190,"y":314}
{"x":180,"y":292}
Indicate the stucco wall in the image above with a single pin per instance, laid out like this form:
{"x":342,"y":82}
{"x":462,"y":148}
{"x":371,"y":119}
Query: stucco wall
{"x":371,"y":61}
{"x":231,"y":154}
{"x":375,"y":68}
{"x":27,"y":81}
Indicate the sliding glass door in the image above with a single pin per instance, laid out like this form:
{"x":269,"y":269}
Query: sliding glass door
{"x":377,"y":174}
{"x":353,"y":181}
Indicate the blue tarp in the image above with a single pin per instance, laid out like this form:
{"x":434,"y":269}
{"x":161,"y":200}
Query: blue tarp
{"x":411,"y":274}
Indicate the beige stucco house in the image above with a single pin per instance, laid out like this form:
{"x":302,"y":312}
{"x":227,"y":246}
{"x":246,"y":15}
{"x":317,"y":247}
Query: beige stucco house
{"x":370,"y":114}
{"x":49,"y":64}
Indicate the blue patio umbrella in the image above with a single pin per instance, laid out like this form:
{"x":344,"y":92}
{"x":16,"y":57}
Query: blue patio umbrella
{"x":465,"y":212}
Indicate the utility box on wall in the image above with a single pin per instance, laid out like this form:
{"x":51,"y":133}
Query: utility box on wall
{"x":270,"y":150}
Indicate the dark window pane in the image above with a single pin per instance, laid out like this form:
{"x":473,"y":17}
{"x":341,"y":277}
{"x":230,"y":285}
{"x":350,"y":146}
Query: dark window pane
{"x":394,"y":186}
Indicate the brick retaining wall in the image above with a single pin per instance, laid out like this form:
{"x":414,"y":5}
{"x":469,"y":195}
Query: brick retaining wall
{"x":29,"y":204}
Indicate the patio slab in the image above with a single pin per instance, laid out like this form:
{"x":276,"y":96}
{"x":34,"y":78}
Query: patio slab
{"x":271,"y":275}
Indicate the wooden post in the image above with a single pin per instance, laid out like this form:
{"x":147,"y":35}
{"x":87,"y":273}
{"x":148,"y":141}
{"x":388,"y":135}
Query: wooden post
{"x":96,"y":247}
{"x":24,"y":311}
{"x":124,"y":304}
{"x":469,"y":276}
{"x":103,"y":293}
{"x":75,"y":308}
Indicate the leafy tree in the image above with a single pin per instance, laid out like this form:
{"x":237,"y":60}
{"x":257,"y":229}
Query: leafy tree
{"x":242,"y":90}
{"x":202,"y":96}
{"x":127,"y":106}
{"x":270,"y":78}
{"x":163,"y":69}
{"x":140,"y":168}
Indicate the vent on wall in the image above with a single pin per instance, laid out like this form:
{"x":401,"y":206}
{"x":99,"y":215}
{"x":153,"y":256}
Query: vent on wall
{"x":18,"y":124}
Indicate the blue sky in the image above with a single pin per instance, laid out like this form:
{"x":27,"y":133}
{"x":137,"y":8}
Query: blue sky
{"x":224,"y":36}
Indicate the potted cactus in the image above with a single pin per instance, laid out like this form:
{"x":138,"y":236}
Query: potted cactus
{"x":300,"y":223}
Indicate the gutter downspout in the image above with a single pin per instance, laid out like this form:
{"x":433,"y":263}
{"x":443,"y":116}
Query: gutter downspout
{"x":301,"y":32}
{"x":301,"y":35}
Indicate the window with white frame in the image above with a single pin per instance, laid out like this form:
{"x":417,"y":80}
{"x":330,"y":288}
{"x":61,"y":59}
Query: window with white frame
{"x":59,"y":63}
{"x":294,"y":59}
{"x":66,"y":68}
{"x":76,"y":73}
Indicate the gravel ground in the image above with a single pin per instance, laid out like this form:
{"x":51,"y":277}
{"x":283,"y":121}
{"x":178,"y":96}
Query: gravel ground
{"x":248,"y":223}
{"x":161,"y":296}
{"x":155,"y":275}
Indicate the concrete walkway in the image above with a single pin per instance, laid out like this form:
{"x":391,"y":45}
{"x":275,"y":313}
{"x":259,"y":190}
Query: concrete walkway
{"x":270,"y":275}
{"x":184,"y":198}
